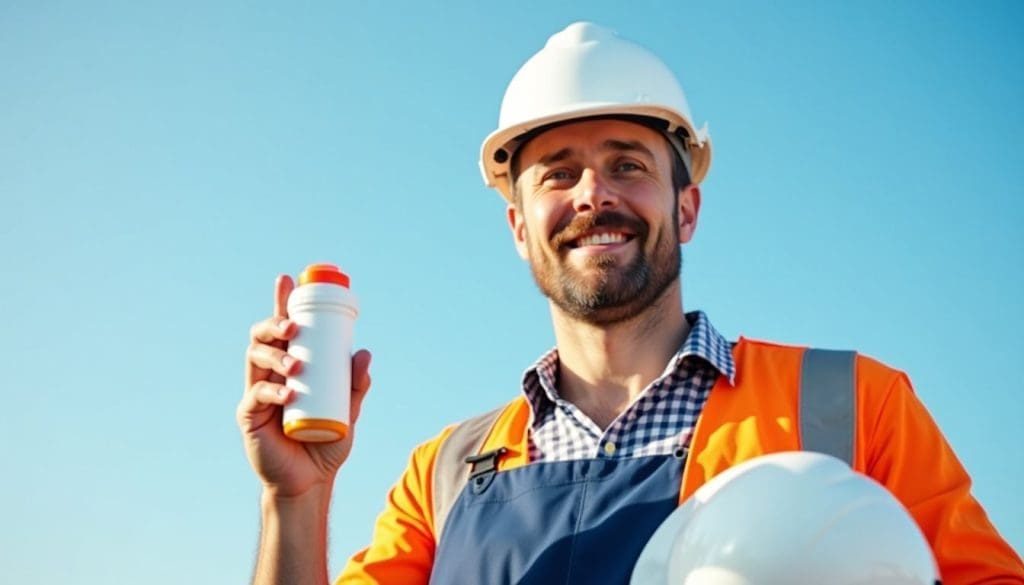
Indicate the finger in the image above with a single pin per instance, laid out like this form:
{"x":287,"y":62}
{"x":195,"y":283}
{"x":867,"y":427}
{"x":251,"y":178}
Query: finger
{"x":257,"y":406}
{"x":282,"y":288}
{"x":264,"y":331}
{"x":273,"y":329}
{"x":271,"y":393}
{"x":360,"y":380}
{"x":361,"y":370}
{"x":268,"y":357}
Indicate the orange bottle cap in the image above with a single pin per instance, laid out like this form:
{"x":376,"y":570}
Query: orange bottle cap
{"x":324,"y":274}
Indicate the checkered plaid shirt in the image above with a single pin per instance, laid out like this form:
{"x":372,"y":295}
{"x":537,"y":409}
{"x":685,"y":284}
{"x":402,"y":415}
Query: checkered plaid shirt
{"x":658,"y":422}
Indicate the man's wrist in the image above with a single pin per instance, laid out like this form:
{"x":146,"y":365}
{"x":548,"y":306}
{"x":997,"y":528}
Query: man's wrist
{"x":317,"y":495}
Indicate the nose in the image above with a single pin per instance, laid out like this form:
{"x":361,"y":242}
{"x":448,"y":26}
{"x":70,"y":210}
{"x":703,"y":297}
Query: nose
{"x":592,"y":194}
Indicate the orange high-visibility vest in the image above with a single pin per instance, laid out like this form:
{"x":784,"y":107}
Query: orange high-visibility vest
{"x":895,"y":441}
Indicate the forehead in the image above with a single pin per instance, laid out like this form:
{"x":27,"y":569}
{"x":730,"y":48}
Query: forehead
{"x":590,"y":136}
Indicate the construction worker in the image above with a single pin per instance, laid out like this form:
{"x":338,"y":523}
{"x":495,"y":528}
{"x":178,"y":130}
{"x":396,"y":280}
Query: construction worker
{"x":639,"y":404}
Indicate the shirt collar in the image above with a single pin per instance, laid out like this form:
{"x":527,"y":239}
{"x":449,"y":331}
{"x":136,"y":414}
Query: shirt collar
{"x":703,"y":341}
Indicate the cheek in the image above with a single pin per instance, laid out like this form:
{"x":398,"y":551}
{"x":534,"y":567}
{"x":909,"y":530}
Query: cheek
{"x":661,"y":221}
{"x":652,"y":209}
{"x":541,"y":220}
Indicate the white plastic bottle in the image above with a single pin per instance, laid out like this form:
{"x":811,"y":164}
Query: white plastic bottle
{"x":325,"y":309}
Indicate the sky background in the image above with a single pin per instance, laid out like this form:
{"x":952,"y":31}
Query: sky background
{"x":161,"y":163}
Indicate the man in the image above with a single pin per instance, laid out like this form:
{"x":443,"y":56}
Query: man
{"x":639,"y":404}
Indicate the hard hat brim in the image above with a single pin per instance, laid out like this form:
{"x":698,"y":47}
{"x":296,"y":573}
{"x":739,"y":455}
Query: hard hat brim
{"x":501,"y":145}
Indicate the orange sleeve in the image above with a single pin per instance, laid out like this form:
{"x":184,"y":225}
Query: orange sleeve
{"x":906,"y":452}
{"x":402,"y":549}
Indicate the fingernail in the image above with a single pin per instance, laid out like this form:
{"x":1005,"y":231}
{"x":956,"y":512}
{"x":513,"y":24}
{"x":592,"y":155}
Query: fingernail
{"x":287,"y":361}
{"x":284,"y":324}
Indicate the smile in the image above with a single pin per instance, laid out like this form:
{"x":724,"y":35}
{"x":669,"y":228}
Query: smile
{"x":601,"y":239}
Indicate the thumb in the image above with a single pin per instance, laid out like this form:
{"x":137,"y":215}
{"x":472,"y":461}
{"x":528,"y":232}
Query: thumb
{"x":283,"y":287}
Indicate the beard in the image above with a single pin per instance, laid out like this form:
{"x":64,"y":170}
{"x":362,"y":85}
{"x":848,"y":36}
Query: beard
{"x":606,"y":290}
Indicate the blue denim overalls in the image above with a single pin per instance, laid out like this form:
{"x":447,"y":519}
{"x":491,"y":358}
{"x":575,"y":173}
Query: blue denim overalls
{"x":559,"y":522}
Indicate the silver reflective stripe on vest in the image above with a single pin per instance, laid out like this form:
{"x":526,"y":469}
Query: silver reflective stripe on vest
{"x":450,"y":468}
{"x":828,"y":403}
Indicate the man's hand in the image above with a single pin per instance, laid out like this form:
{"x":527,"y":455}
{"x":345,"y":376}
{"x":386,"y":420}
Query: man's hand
{"x":288,"y":468}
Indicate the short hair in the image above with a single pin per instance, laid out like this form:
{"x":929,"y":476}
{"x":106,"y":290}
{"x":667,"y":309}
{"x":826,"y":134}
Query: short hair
{"x":680,"y":175}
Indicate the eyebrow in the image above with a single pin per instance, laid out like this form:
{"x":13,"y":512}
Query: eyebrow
{"x":554,"y":157}
{"x":630,"y":146}
{"x":619,"y":145}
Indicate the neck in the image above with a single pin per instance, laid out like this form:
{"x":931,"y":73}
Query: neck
{"x":603,"y":368}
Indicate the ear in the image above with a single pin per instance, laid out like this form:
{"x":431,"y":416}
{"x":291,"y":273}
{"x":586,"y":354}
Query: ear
{"x":517,"y":223}
{"x":689,"y":208}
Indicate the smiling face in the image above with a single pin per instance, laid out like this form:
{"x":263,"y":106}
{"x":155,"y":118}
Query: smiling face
{"x":598,"y":219}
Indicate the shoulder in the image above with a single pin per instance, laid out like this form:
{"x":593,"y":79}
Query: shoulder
{"x":867,"y":365}
{"x":475,"y":426}
{"x":784,"y":364}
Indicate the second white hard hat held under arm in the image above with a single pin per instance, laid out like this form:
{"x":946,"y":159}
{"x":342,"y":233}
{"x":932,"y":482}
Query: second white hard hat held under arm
{"x":587,"y":71}
{"x":788,"y":519}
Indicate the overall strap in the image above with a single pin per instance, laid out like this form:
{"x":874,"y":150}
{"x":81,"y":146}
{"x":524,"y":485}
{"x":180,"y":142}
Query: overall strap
{"x":450,"y":467}
{"x":828,"y":403}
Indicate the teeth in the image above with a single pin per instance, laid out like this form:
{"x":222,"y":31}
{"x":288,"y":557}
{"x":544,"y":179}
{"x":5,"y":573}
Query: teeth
{"x":599,"y":239}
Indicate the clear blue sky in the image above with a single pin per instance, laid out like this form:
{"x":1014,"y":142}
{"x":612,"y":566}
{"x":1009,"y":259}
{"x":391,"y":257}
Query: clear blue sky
{"x":160,"y":163}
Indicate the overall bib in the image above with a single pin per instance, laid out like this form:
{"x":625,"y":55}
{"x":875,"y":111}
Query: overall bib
{"x":559,"y":522}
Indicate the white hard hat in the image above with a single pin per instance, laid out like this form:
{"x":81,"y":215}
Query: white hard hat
{"x":587,"y":71}
{"x":788,"y":519}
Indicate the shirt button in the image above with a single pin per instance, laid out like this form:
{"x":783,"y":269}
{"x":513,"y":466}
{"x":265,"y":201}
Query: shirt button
{"x":609,"y":448}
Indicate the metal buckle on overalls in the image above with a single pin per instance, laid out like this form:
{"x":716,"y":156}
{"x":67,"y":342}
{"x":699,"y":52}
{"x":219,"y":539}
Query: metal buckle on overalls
{"x":682,"y":450}
{"x":485,"y":466}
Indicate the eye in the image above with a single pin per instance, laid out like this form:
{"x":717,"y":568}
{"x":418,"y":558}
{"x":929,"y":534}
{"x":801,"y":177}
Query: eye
{"x":559,"y":176}
{"x":627,"y":166}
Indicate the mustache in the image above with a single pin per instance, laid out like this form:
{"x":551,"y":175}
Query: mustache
{"x":583,"y":223}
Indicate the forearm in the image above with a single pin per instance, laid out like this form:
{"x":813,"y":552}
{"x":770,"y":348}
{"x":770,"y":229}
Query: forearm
{"x":293,"y":539}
